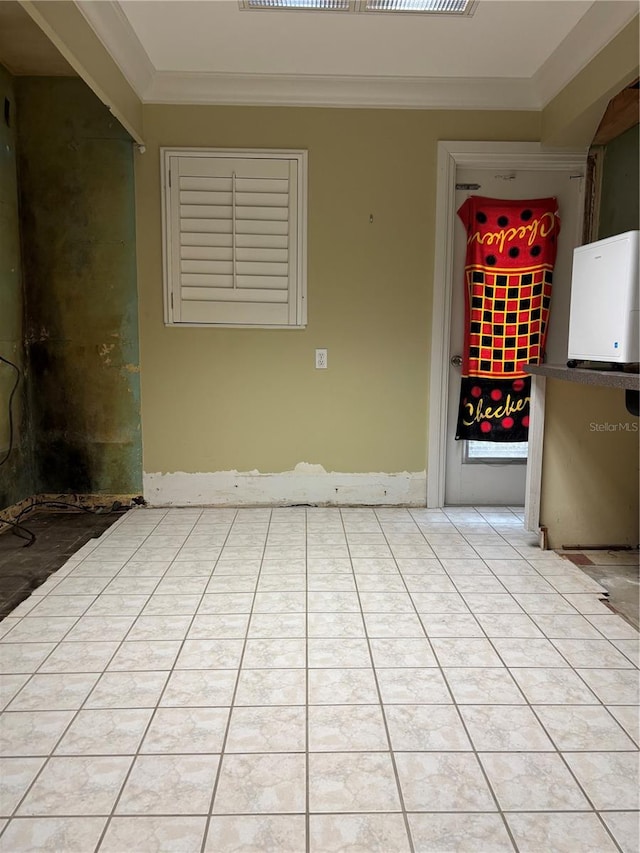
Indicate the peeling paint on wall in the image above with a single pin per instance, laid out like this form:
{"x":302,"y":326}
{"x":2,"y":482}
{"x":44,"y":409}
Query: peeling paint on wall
{"x":306,"y":484}
{"x":104,"y":351}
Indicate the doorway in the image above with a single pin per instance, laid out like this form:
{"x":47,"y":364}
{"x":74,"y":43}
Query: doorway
{"x":464,"y":473}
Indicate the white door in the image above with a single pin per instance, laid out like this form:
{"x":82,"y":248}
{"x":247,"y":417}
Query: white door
{"x":488,"y":473}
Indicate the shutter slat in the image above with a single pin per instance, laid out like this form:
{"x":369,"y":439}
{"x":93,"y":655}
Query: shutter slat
{"x":223,"y":294}
{"x":203,"y":280}
{"x":222,"y":264}
{"x":225,"y":267}
{"x":221,"y":211}
{"x":219,"y":253}
{"x":260,"y":268}
{"x":262,"y":199}
{"x":269,"y":282}
{"x":205,"y":211}
{"x":206,"y":226}
{"x":246,"y":226}
{"x":218,"y":197}
{"x":251,"y":226}
{"x":206,"y":267}
{"x":221,"y":166}
{"x":259,"y":241}
{"x":206,"y":253}
{"x":262,"y":185}
{"x":260,"y":213}
{"x":200,"y":184}
{"x":224,"y":198}
{"x":247,"y":241}
{"x":262,"y":254}
{"x":205,"y":238}
{"x":248,"y":185}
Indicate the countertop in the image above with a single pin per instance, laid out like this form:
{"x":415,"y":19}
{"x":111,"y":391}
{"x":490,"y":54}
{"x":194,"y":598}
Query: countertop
{"x":588,"y":376}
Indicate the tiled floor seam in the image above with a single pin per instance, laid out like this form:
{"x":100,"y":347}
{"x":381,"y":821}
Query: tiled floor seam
{"x":232,"y":704}
{"x":384,"y":715}
{"x":307,"y":815}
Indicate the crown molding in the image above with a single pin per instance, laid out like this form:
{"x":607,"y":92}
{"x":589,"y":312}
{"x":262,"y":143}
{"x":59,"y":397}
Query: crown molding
{"x":111,"y":25}
{"x":601,"y":23}
{"x":293,"y":90}
{"x":597,"y":27}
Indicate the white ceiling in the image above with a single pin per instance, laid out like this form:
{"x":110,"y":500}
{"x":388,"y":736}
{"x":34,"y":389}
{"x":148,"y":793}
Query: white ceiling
{"x":508,"y":54}
{"x":500,"y":40}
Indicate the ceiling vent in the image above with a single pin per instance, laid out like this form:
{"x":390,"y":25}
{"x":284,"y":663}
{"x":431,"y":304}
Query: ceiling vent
{"x":428,"y":7}
{"x":459,"y":8}
{"x":313,"y":5}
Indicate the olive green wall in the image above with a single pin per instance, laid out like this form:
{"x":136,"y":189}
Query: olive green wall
{"x":225,"y":399}
{"x":620,"y":199}
{"x":78,"y":237}
{"x":590,"y":469}
{"x":16,"y":474}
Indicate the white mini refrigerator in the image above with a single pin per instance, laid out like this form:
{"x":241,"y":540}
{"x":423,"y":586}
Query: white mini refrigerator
{"x":604,"y":318}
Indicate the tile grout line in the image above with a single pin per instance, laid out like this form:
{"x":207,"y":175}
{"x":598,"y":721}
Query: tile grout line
{"x":307,"y":805}
{"x":214,"y":791}
{"x":390,"y":752}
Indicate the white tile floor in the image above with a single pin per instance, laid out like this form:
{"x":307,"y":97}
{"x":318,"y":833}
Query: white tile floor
{"x":371,"y":681}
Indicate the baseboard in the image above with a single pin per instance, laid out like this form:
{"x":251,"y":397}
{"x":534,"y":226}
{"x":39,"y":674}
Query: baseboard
{"x":10,"y":513}
{"x":307,"y":484}
{"x":91,"y":501}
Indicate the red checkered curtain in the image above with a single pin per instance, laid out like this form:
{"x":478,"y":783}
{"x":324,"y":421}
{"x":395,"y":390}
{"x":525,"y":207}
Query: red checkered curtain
{"x":511,"y":252}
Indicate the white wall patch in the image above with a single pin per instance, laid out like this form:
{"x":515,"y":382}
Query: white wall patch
{"x":307,"y":484}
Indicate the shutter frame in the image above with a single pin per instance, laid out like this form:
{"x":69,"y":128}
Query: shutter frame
{"x":198,"y":255}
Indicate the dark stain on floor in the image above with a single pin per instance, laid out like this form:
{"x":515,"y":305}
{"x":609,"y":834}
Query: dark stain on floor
{"x":58,"y":536}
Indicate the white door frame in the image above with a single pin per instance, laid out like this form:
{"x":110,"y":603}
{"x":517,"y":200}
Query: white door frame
{"x":481,"y":155}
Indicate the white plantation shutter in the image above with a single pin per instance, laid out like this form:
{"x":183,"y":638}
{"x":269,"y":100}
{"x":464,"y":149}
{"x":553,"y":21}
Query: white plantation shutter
{"x":235,"y":238}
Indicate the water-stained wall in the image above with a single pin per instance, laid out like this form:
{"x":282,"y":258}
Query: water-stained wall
{"x":16,"y":473}
{"x":620,"y":202}
{"x":78,"y":247}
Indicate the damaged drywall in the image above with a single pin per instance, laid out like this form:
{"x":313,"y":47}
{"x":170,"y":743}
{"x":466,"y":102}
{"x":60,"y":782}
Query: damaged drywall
{"x":78,"y":239}
{"x":306,"y":484}
{"x":16,"y":448}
